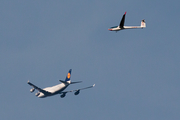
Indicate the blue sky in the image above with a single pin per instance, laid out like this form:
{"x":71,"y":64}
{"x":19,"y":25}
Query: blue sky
{"x":136,"y":72}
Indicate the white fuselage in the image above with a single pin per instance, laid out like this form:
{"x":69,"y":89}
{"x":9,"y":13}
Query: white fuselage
{"x":57,"y":89}
{"x":125,"y":27}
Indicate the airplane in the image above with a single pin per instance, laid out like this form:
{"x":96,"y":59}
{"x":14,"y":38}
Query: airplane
{"x":57,"y":89}
{"x":122,"y":27}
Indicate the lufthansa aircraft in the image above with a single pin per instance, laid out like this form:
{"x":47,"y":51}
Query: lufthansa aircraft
{"x":57,"y":89}
{"x":122,"y":27}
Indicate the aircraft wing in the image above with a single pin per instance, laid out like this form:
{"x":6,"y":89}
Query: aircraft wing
{"x":86,"y":87}
{"x":37,"y":88}
{"x":121,"y":25}
{"x":78,"y":89}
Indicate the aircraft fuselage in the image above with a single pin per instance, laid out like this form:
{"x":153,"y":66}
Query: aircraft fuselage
{"x":125,"y":27}
{"x":57,"y":89}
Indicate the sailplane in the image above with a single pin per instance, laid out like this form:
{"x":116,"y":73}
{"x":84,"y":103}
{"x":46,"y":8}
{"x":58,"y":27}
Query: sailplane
{"x":122,"y":27}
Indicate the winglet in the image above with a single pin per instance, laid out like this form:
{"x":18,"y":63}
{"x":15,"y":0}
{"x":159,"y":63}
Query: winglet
{"x":125,"y":13}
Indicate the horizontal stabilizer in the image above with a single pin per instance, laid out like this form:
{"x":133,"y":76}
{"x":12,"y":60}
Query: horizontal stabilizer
{"x":76,"y":82}
{"x":63,"y":81}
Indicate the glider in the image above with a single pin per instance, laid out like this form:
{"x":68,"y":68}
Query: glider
{"x":122,"y":27}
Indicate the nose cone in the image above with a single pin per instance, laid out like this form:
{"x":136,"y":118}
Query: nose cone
{"x":110,"y":29}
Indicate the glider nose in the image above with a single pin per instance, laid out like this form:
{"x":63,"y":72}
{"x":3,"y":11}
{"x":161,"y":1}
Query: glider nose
{"x":110,"y":29}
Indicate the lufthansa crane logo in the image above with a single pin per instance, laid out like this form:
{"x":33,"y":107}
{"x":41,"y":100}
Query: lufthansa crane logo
{"x":68,"y":75}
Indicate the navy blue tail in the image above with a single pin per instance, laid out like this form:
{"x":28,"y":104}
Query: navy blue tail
{"x":68,"y":77}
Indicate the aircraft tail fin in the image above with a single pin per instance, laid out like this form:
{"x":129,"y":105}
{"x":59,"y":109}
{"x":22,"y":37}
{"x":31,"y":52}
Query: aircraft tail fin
{"x":68,"y":77}
{"x":121,"y":25}
{"x":143,"y":23}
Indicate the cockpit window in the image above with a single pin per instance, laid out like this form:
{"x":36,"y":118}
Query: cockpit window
{"x":114,"y":27}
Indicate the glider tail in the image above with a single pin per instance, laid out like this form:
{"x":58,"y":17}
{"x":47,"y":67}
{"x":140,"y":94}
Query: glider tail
{"x":121,"y":25}
{"x":143,"y":23}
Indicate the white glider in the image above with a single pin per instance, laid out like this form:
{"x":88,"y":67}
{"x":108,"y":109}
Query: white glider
{"x":122,"y":27}
{"x":57,"y":89}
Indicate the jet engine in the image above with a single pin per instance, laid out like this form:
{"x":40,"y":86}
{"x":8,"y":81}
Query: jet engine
{"x":32,"y":90}
{"x":77,"y":92}
{"x":63,"y":95}
{"x":37,"y":94}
